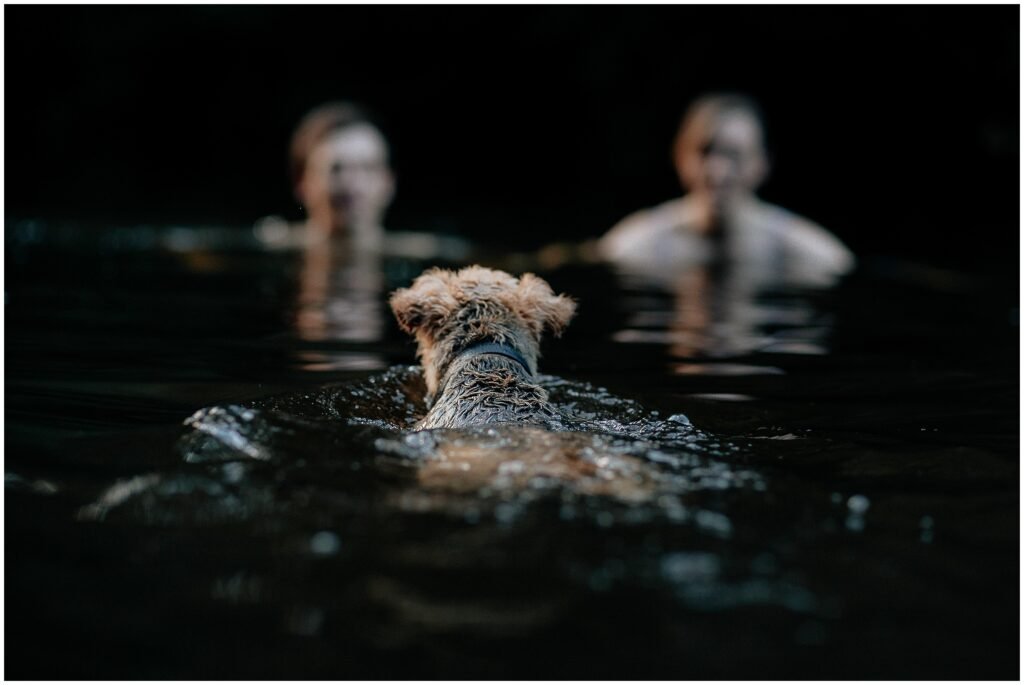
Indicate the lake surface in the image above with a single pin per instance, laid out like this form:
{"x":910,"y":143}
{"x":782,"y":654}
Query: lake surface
{"x":209,"y":474}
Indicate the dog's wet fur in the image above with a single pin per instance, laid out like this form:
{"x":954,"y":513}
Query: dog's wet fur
{"x":450,"y":312}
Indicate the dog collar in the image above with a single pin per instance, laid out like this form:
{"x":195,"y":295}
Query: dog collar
{"x":475,"y":350}
{"x":495,"y":348}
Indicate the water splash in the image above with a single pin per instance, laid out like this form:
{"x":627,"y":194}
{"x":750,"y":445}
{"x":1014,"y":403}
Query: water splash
{"x":604,"y":447}
{"x":314,"y":465}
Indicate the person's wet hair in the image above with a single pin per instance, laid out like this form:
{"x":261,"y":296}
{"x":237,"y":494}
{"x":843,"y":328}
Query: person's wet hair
{"x":708,"y":108}
{"x":317,"y":125}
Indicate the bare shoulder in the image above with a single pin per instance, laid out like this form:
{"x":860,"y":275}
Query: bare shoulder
{"x":276,"y":233}
{"x":641,"y":233}
{"x":416,"y":245}
{"x":809,"y":241}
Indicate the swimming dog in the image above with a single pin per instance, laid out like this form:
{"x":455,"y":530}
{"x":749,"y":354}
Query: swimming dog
{"x":478,"y":333}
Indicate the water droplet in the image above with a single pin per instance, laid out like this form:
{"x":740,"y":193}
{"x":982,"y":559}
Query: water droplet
{"x":713,"y":522}
{"x":234,"y":472}
{"x":324,"y":543}
{"x":927,"y":529}
{"x":855,"y":523}
{"x":858,"y":504}
{"x":690,"y":567}
{"x":505,"y":513}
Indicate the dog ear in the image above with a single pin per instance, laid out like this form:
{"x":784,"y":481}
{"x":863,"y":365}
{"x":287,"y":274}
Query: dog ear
{"x":425,"y":304}
{"x":541,"y":308}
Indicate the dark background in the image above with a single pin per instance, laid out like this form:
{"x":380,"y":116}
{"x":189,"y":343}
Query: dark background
{"x":895,"y":127}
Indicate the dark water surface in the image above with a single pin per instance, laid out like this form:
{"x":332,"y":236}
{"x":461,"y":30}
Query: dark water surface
{"x":209,"y":474}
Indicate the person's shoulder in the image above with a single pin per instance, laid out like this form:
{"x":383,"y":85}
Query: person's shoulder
{"x":809,"y":240}
{"x":276,"y":233}
{"x":642,"y":229}
{"x":418,"y":245}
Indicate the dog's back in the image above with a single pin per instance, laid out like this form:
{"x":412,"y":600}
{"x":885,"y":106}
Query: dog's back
{"x":488,"y":388}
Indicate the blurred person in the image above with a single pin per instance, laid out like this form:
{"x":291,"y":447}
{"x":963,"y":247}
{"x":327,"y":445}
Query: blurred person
{"x":340,"y":170}
{"x":719,"y":249}
{"x":341,"y":175}
{"x":721,"y":160}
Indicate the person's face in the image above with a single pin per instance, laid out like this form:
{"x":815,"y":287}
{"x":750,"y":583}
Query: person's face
{"x":347,"y":182}
{"x":726,"y":160}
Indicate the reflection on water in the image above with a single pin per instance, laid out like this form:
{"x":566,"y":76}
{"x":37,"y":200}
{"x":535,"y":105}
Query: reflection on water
{"x":340,"y":296}
{"x":195,"y":487}
{"x":342,"y":291}
{"x":725,"y":310}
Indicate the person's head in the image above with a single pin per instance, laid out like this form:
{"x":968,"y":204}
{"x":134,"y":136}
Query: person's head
{"x":719,"y":151}
{"x":339,"y":169}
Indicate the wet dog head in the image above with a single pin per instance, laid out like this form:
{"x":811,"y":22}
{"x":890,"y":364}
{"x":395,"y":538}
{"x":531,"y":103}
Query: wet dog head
{"x":447,"y":311}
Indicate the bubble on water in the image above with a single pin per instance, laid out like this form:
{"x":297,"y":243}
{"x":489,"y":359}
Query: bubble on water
{"x":713,"y":522}
{"x":506,"y":513}
{"x":858,"y":504}
{"x":927,"y":525}
{"x":234,"y":472}
{"x":324,"y":543}
{"x":686,"y":567}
